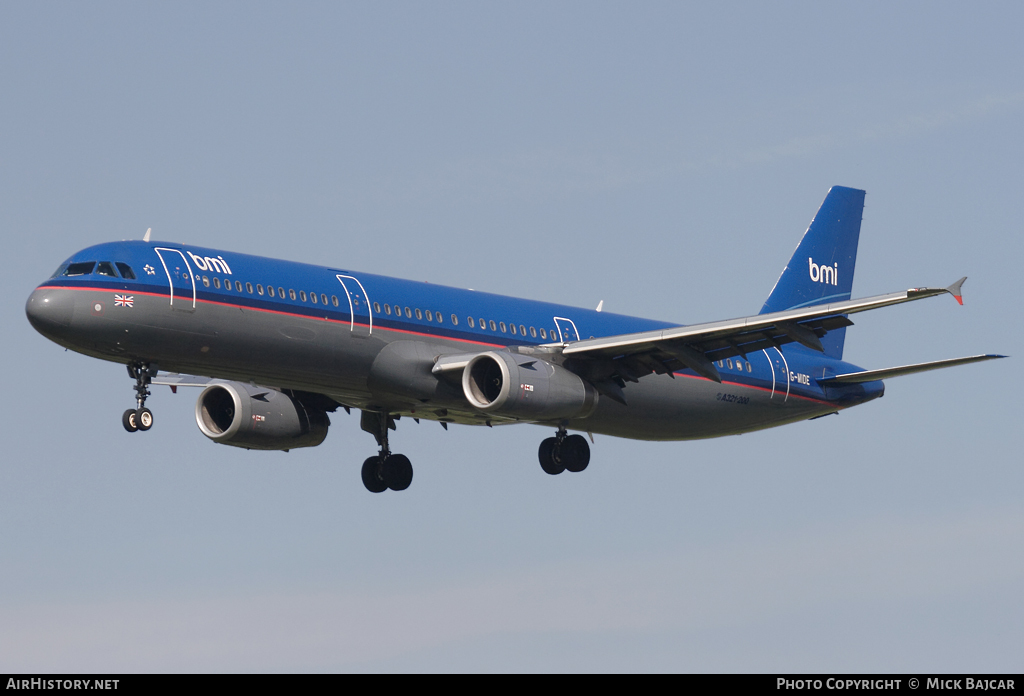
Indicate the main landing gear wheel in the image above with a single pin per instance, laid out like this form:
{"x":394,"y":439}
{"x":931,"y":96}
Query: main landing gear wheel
{"x":130,"y":421}
{"x":386,"y":470}
{"x":549,"y":461}
{"x":144,"y":418}
{"x":564,"y":453}
{"x":372,"y":478}
{"x":575,"y":452}
{"x":397,"y":472}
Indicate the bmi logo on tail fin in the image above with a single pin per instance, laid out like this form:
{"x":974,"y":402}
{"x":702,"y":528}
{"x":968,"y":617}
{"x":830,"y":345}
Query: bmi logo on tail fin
{"x":821,"y":269}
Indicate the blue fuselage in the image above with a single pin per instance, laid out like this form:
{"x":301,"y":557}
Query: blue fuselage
{"x":319,"y":329}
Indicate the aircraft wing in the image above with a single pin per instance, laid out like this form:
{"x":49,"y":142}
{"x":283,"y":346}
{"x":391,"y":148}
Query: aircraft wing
{"x":175,"y":380}
{"x":613,"y":360}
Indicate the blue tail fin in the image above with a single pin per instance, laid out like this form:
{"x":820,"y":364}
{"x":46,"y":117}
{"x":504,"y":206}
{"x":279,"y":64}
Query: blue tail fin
{"x":821,"y":269}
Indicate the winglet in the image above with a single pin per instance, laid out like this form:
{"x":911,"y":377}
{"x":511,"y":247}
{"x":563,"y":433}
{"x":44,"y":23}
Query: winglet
{"x":954,"y":290}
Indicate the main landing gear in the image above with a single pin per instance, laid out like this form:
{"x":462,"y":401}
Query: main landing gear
{"x":564,"y":453}
{"x":386,"y":470}
{"x":140,"y":418}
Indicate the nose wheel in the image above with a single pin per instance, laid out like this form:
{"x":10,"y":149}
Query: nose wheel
{"x":139,"y":418}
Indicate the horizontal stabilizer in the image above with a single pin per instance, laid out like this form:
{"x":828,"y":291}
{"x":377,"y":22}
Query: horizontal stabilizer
{"x":874,"y":375}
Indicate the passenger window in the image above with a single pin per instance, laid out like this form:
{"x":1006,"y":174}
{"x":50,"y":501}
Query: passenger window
{"x":483,"y":324}
{"x":469,"y":320}
{"x":312,"y":297}
{"x":387,"y":309}
{"x":430,"y":315}
{"x":721,"y":363}
{"x":280,"y":292}
{"x":408,"y":313}
{"x":248,"y":288}
{"x":512,"y":328}
{"x":419,"y":314}
{"x":291,"y":293}
{"x":376,"y":306}
{"x":334,"y":300}
{"x":270,"y":290}
{"x":77,"y":269}
{"x":206,"y":282}
{"x":522,"y":330}
{"x":455,"y":320}
{"x":302,"y":295}
{"x":493,"y":326}
{"x":533,"y":332}
{"x":216,"y":282}
{"x":728,"y":363}
{"x":501,"y":325}
{"x":749,"y":368}
{"x":323,"y":297}
{"x":440,"y":319}
{"x":238,"y":285}
{"x":259,"y":289}
{"x":126,"y":271}
{"x":543,"y":334}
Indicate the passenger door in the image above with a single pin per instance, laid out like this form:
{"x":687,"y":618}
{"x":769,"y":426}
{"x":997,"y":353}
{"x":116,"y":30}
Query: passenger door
{"x":180,"y":278}
{"x":360,"y":311}
{"x":567,"y":330}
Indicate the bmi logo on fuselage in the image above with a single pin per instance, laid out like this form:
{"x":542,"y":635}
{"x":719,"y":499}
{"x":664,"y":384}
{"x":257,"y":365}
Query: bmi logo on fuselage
{"x":823,"y":273}
{"x":208,"y":263}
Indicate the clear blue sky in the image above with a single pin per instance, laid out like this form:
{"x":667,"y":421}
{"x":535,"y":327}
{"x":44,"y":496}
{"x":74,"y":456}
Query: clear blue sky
{"x":663,"y":158}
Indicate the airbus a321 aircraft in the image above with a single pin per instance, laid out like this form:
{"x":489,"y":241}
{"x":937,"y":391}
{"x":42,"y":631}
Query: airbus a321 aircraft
{"x":278,"y":345}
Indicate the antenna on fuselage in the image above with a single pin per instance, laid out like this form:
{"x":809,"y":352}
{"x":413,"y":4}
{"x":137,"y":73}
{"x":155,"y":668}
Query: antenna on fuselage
{"x":600,"y":305}
{"x":145,"y":237}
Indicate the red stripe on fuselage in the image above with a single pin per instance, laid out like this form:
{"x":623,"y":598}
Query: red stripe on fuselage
{"x":399,"y":331}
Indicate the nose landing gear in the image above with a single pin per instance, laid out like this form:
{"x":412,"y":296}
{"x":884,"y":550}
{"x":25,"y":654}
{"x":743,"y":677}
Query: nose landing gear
{"x":140,"y":418}
{"x":564,"y":453}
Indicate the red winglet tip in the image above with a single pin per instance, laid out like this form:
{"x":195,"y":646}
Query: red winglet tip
{"x":959,"y":299}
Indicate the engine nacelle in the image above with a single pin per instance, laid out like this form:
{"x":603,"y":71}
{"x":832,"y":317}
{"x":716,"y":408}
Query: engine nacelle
{"x":242,"y":415}
{"x":521,"y":386}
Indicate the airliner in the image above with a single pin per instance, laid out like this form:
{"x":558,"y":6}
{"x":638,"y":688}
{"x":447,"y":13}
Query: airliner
{"x":276,"y":346}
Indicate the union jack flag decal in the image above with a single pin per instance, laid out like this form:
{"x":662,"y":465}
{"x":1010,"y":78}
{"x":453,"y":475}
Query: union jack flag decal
{"x":124,"y":300}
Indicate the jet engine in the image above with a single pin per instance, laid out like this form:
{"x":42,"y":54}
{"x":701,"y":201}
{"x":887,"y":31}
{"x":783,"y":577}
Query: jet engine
{"x":242,"y":415}
{"x":522,"y":386}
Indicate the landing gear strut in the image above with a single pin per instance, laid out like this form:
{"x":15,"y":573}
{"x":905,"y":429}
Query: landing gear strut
{"x":386,"y":470}
{"x":564,"y":452}
{"x":140,"y":418}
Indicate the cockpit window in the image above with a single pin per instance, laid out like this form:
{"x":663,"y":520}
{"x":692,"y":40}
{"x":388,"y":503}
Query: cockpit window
{"x":77,"y":269}
{"x":126,"y":271}
{"x":59,"y":270}
{"x":106,"y":268}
